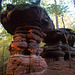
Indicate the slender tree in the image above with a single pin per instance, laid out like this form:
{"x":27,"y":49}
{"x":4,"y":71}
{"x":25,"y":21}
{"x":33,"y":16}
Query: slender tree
{"x":63,"y":21}
{"x":56,"y":16}
{"x":70,"y":63}
{"x":0,"y":9}
{"x":74,"y":2}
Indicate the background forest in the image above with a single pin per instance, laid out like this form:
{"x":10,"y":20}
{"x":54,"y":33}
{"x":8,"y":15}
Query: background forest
{"x":62,"y":12}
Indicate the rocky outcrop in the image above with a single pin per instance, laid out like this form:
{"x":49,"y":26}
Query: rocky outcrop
{"x":53,"y":53}
{"x":26,"y":65}
{"x":25,"y":51}
{"x":27,"y":42}
{"x":65,"y":50}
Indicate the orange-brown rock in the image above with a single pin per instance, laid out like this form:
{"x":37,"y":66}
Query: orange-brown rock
{"x":39,"y":33}
{"x":19,"y":39}
{"x":20,"y":44}
{"x":34,"y":36}
{"x":19,"y":35}
{"x":23,"y":65}
{"x":39,"y":51}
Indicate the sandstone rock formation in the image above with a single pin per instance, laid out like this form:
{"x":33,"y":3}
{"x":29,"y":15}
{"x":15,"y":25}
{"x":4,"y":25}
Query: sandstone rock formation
{"x":26,"y":65}
{"x":25,"y":51}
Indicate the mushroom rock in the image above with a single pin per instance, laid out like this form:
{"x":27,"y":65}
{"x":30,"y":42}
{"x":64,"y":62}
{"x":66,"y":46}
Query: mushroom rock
{"x":28,"y":24}
{"x":52,"y":50}
{"x":53,"y":38}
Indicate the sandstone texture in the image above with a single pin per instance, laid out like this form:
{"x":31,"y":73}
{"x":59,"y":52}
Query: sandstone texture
{"x":29,"y":64}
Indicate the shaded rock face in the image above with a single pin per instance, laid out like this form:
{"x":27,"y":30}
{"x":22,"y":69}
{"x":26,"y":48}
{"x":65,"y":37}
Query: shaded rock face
{"x":25,"y":14}
{"x":53,"y":53}
{"x":53,"y":37}
{"x":65,"y":50}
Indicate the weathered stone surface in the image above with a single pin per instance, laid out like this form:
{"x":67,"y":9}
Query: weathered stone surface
{"x":19,"y":34}
{"x":18,"y":47}
{"x":52,"y":52}
{"x":20,"y":39}
{"x":27,"y":43}
{"x":61,"y":58}
{"x":39,"y":51}
{"x":65,"y":50}
{"x":15,"y":51}
{"x":20,"y":44}
{"x":33,"y":36}
{"x":52,"y":48}
{"x":39,"y":33}
{"x":22,"y":65}
{"x":57,"y":53}
{"x":31,"y":40}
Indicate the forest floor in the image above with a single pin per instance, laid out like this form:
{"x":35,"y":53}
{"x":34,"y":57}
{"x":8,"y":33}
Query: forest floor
{"x":60,"y":68}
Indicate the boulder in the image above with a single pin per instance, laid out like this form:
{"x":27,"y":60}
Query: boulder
{"x":24,"y":65}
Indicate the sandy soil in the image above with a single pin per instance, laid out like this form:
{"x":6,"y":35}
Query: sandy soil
{"x":60,"y":68}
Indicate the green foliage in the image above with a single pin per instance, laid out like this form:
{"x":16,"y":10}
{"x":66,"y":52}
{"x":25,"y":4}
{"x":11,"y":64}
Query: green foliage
{"x":13,"y":2}
{"x":20,"y":1}
{"x":52,"y":9}
{"x":42,"y":44}
{"x":5,"y":40}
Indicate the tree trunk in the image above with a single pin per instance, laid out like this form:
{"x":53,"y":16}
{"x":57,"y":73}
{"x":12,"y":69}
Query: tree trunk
{"x":63,"y":22}
{"x":56,"y":16}
{"x":74,"y":2}
{"x":0,"y":10}
{"x":70,"y":64}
